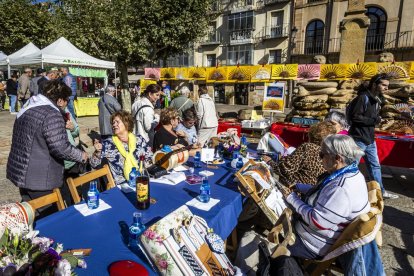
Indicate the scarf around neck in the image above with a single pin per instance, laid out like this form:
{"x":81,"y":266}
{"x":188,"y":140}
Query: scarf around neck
{"x":130,"y":161}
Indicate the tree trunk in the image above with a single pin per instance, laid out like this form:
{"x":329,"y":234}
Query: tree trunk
{"x":123,"y":81}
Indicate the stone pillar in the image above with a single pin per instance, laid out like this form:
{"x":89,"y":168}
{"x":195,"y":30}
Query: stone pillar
{"x":354,"y":32}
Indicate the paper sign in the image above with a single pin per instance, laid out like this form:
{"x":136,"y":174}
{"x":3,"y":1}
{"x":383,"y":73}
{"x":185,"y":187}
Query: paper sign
{"x":207,"y":155}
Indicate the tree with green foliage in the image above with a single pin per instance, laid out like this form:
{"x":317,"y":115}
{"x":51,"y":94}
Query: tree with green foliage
{"x":133,"y":32}
{"x":23,"y":22}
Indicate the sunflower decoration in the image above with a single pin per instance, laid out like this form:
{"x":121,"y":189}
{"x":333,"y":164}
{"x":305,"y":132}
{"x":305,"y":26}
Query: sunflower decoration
{"x":181,"y":73}
{"x":152,"y":73}
{"x":261,"y":72}
{"x":145,"y":82}
{"x":273,"y":104}
{"x":238,"y":73}
{"x":395,"y":70}
{"x":216,"y":74}
{"x":197,"y":73}
{"x":167,"y":73}
{"x":309,"y":71}
{"x":361,"y":71}
{"x":333,"y":71}
{"x":284,"y":72}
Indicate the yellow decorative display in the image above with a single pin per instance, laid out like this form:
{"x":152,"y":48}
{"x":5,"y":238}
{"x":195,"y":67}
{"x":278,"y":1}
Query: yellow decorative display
{"x":333,"y":71}
{"x":86,"y":106}
{"x":261,"y":73}
{"x":412,"y":71}
{"x":168,"y":73}
{"x":145,"y":82}
{"x":238,"y":73}
{"x":273,"y":104}
{"x":284,"y":72}
{"x":362,"y":71}
{"x":197,"y":73}
{"x":395,"y":70}
{"x":218,"y":74}
{"x":181,"y":73}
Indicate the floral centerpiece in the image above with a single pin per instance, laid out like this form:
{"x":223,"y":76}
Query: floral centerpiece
{"x":229,"y":143}
{"x":27,"y":254}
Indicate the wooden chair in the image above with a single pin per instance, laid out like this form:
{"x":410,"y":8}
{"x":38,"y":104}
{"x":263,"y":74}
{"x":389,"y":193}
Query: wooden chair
{"x":73,"y":183}
{"x":54,"y":197}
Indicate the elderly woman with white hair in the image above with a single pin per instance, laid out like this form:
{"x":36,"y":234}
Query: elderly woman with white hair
{"x":325,"y":210}
{"x":339,"y":119}
{"x":182,"y":102}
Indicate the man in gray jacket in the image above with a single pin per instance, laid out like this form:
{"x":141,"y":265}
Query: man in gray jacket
{"x":40,"y":144}
{"x":23,"y":92}
{"x":107,"y":106}
{"x":182,"y":102}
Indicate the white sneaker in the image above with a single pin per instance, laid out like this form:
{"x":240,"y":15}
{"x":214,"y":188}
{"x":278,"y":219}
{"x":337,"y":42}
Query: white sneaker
{"x":388,"y":195}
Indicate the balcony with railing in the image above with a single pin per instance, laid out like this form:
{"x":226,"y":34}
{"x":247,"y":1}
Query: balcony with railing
{"x":389,"y":41}
{"x":211,"y":38}
{"x":317,"y":47}
{"x":241,"y":36}
{"x":278,"y":31}
{"x":238,"y":5}
{"x":271,"y":2}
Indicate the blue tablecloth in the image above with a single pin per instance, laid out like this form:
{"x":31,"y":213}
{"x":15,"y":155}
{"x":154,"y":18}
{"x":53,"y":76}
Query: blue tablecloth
{"x":103,"y":232}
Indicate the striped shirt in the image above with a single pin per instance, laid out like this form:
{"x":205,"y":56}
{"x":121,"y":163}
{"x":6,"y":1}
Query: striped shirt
{"x":327,"y":211}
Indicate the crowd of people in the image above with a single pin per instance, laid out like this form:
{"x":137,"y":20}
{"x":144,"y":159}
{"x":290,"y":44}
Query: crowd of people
{"x":323,"y":183}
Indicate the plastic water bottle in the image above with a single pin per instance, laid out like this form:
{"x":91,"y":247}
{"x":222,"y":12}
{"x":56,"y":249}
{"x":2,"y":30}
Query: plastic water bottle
{"x":136,"y":229}
{"x":243,"y":140}
{"x":239,"y":163}
{"x":132,"y":178}
{"x":197,"y":160}
{"x":204,"y":191}
{"x":93,"y":195}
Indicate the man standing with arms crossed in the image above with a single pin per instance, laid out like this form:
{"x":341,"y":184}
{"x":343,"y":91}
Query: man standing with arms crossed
{"x":363,"y":115}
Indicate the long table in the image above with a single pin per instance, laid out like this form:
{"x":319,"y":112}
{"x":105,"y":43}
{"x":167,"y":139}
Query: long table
{"x":103,"y":231}
{"x":393,"y":150}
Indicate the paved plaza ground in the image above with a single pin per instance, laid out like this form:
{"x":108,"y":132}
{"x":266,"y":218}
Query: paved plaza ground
{"x":398,"y":230}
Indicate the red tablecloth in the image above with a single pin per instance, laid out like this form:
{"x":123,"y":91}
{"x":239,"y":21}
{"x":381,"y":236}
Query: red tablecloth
{"x":223,"y":126}
{"x":396,"y":152}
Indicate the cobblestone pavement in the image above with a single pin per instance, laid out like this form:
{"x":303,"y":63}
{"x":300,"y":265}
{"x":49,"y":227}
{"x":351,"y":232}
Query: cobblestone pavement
{"x":398,"y":246}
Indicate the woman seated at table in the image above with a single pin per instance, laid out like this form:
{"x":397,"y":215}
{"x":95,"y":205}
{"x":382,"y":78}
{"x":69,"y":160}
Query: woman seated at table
{"x":122,"y":150}
{"x":167,"y":136}
{"x":339,"y":119}
{"x":187,"y":125}
{"x":304,"y":164}
{"x":326,"y":209}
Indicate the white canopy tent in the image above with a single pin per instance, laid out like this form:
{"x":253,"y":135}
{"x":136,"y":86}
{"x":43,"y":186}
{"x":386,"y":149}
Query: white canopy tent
{"x":25,"y":51}
{"x":3,"y":56}
{"x":62,"y":52}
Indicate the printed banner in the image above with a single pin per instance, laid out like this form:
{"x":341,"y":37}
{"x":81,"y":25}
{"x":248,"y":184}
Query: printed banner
{"x":167,"y":73}
{"x":197,"y":73}
{"x":333,"y":71}
{"x":216,"y":74}
{"x":309,"y":71}
{"x":181,"y":73}
{"x":395,"y":70}
{"x":362,"y":71}
{"x":238,"y":74}
{"x":274,"y":97}
{"x":261,"y":73}
{"x":284,"y":72}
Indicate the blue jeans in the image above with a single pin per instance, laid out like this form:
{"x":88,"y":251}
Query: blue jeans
{"x":71,"y":107}
{"x":362,"y":261}
{"x":12,"y":102}
{"x":372,"y":162}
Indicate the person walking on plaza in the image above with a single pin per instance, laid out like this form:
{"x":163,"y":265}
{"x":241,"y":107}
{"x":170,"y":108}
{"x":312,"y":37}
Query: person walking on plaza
{"x":107,"y":106}
{"x":145,"y":118}
{"x":34,"y":87}
{"x":52,"y":74}
{"x":207,"y":116}
{"x":2,"y":95}
{"x":23,"y":92}
{"x":40,"y":144}
{"x":11,"y":90}
{"x":182,"y":102}
{"x":70,"y":81}
{"x":363,"y":115}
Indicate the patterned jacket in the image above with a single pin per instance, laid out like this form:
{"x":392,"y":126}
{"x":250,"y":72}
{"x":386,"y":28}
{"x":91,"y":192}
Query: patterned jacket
{"x":115,"y":159}
{"x":302,"y":166}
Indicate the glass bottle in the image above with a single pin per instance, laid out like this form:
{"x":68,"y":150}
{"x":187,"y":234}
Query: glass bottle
{"x":143,"y":186}
{"x":132,"y":178}
{"x":204,"y":191}
{"x":136,"y":228}
{"x":93,"y":195}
